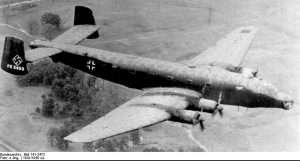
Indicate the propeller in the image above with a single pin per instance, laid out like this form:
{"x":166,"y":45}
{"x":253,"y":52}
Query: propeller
{"x":219,"y":108}
{"x":255,"y":73}
{"x":200,"y":121}
{"x":202,"y":125}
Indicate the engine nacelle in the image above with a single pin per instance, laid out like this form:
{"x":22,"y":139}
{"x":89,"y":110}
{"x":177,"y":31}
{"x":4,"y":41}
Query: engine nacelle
{"x":249,"y":72}
{"x":246,"y":72}
{"x":226,"y":66}
{"x":186,"y":116}
{"x":208,"y":105}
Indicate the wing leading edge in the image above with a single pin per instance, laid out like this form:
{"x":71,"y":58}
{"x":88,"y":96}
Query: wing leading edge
{"x":231,"y":49}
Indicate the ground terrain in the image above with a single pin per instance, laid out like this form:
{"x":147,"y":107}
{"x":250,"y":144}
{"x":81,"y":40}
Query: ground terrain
{"x":175,"y":30}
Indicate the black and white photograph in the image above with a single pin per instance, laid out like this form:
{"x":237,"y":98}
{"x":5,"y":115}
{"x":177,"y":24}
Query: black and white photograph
{"x":149,"y":76}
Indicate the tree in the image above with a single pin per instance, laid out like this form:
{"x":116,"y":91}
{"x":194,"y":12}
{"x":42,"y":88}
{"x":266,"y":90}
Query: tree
{"x":43,"y":96}
{"x":51,"y":23}
{"x":49,"y":30}
{"x":78,"y":113}
{"x":109,"y":146}
{"x":56,"y":138}
{"x":88,"y":147}
{"x":37,"y":110}
{"x":153,"y":149}
{"x":135,"y":137}
{"x":122,"y":142}
{"x":61,"y":143}
{"x":67,"y":89}
{"x":50,"y":135}
{"x":44,"y":73}
{"x":56,"y":111}
{"x":50,"y":18}
{"x":47,"y":106}
{"x":105,"y":145}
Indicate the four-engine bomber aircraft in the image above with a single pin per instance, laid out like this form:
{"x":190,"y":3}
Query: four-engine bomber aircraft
{"x":171,"y":91}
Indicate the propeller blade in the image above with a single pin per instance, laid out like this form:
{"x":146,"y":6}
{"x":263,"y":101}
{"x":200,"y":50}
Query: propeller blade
{"x":255,"y":74}
{"x":221,"y":113}
{"x":202,"y":125}
{"x":214,"y":113}
{"x":219,"y":110}
{"x":201,"y":120}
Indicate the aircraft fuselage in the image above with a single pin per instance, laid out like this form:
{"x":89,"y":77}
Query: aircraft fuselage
{"x":140,"y":73}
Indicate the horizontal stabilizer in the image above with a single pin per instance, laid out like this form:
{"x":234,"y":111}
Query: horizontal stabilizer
{"x":40,"y":53}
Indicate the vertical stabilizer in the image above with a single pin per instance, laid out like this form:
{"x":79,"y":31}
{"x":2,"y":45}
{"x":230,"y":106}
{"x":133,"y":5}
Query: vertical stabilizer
{"x":84,"y":16}
{"x":13,"y":57}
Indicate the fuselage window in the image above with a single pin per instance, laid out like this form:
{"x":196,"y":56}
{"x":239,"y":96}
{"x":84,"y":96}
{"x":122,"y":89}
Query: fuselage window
{"x":132,"y":71}
{"x":115,"y":68}
{"x":170,"y":78}
{"x":192,"y":66}
{"x":102,"y":64}
{"x":208,"y":84}
{"x":153,"y":74}
{"x":189,"y":81}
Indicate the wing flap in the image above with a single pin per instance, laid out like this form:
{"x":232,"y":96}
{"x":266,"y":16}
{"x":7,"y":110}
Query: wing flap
{"x":231,"y":49}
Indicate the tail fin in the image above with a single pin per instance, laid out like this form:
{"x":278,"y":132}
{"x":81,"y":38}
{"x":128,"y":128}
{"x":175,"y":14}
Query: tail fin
{"x":84,"y":16}
{"x":13,"y":58}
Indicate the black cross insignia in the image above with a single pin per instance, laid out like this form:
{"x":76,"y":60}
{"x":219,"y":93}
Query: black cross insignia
{"x":91,"y":64}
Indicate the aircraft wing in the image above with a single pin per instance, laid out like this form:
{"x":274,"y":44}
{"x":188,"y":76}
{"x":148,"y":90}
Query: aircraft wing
{"x":231,"y":49}
{"x":73,"y":36}
{"x":143,"y":110}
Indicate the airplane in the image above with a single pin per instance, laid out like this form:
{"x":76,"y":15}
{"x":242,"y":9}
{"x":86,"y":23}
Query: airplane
{"x":177,"y":91}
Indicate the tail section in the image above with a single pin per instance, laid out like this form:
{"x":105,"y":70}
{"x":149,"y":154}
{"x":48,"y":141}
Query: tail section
{"x":13,"y":57}
{"x":84,"y":16}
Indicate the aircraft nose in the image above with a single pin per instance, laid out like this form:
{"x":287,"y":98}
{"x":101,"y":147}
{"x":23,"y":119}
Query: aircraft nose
{"x":286,"y":100}
{"x":288,"y":105}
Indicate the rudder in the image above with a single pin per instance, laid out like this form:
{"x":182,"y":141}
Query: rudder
{"x":13,"y":57}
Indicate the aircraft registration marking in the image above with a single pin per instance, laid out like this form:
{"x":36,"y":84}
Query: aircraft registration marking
{"x":14,"y":67}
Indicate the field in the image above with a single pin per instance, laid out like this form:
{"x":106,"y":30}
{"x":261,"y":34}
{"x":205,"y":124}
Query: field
{"x":175,"y":30}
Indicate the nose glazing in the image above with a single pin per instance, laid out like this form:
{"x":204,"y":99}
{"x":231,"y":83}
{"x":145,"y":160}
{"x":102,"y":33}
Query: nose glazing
{"x":286,"y":100}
